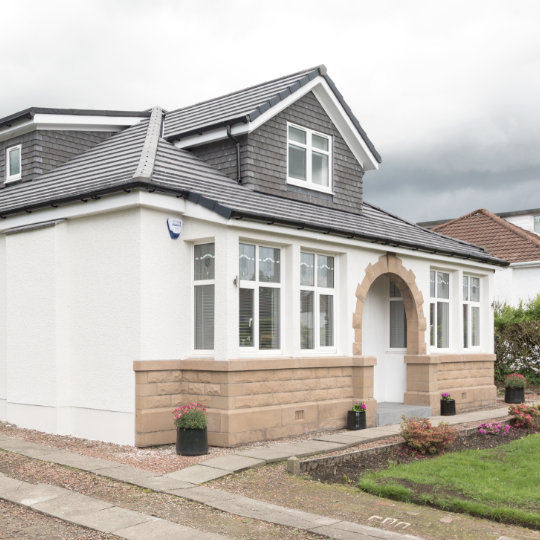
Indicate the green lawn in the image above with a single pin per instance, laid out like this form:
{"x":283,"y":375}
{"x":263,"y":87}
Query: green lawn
{"x":501,"y":483}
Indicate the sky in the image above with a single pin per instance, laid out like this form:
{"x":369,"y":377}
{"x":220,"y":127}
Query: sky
{"x":448,"y":91}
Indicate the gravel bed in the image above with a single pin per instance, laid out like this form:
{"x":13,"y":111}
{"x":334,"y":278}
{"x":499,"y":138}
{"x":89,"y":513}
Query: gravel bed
{"x":162,"y":505}
{"x":20,"y":522}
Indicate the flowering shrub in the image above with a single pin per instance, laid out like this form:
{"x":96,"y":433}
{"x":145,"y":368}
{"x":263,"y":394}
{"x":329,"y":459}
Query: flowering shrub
{"x":525,"y":416}
{"x":360,"y":406}
{"x":494,"y":428}
{"x":514,"y":380}
{"x":421,"y":436}
{"x":190,"y":416}
{"x":446,"y":396}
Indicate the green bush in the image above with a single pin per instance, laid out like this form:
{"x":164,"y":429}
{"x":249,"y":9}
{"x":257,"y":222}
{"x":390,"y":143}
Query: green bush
{"x":517,"y":340}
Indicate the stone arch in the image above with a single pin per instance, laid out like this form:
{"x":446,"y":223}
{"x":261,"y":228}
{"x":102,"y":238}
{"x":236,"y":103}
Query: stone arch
{"x":413,"y":301}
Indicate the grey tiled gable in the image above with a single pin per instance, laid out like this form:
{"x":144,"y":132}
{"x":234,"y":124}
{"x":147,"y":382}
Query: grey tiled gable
{"x":248,"y":104}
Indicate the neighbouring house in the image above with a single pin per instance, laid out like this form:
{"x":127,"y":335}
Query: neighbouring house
{"x":505,"y":239}
{"x":223,"y":253}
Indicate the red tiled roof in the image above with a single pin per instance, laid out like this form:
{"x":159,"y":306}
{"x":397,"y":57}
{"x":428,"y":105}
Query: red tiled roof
{"x":498,"y":236}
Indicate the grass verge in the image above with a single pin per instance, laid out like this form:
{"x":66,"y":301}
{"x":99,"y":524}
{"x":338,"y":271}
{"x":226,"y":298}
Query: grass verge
{"x":499,"y":483}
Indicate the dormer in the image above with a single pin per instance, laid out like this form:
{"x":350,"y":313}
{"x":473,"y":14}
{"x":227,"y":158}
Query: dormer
{"x":37,"y":140}
{"x":294,"y":137}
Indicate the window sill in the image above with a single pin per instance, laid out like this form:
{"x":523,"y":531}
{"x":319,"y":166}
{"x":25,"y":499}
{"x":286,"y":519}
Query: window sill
{"x":310,"y":185}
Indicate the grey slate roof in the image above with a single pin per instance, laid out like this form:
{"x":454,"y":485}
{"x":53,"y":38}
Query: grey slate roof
{"x":248,"y":104}
{"x":32,"y":111}
{"x":137,"y":158}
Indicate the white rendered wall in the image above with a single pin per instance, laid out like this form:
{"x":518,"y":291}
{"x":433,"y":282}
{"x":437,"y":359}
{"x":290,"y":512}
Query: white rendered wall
{"x":3,"y":359}
{"x":525,"y":222}
{"x":72,"y":312}
{"x":516,"y":283}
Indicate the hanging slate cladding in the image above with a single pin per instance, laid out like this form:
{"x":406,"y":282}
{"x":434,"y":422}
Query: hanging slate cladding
{"x":44,"y":150}
{"x":264,"y":158}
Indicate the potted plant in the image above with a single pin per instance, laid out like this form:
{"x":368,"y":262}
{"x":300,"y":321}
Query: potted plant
{"x":448,"y":405}
{"x":356,"y":418}
{"x":191,"y":437}
{"x":514,"y":388}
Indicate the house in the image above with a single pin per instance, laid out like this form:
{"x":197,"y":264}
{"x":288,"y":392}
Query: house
{"x":505,"y":239}
{"x":223,"y":253}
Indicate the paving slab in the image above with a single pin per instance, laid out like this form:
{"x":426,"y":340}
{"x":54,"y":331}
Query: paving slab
{"x":70,"y":505}
{"x":164,"y":483}
{"x":197,"y":474}
{"x":308,"y":448}
{"x":346,"y":530}
{"x":203,"y":494}
{"x":112,"y":519}
{"x":159,"y":529}
{"x":233,"y":463}
{"x":270,"y":454}
{"x":29,"y":494}
{"x":125,"y":473}
{"x":8,"y":484}
{"x":86,"y":463}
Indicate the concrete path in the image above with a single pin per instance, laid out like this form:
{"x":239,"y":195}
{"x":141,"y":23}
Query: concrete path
{"x":94,"y":513}
{"x":186,"y":482}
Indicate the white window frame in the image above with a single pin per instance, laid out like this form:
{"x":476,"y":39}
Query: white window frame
{"x":395,"y":299}
{"x":198,"y":283}
{"x":536,"y":224}
{"x":316,"y":304}
{"x":434,"y":300}
{"x":255,"y":286}
{"x":470,"y":304}
{"x":308,"y":183}
{"x":12,"y":178}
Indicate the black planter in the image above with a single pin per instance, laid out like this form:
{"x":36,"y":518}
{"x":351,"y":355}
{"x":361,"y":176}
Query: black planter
{"x":356,"y":419}
{"x":448,"y":407}
{"x":191,"y":442}
{"x":514,"y":395}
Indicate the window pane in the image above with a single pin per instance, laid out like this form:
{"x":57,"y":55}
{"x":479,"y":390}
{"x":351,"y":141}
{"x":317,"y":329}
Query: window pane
{"x":269,"y":264}
{"x":319,"y":169}
{"x":297,"y":135}
{"x":475,"y":331}
{"x":269,"y":318}
{"x":246,"y":317}
{"x":465,"y":287}
{"x":319,"y":142}
{"x":443,"y":288}
{"x":432,"y":325}
{"x":537,"y":224}
{"x":398,"y":325}
{"x":325,"y":271}
{"x":247,"y":262}
{"x":442,"y":325}
{"x":297,"y":162}
{"x":475,"y":289}
{"x":326,"y":321}
{"x":307,"y":269}
{"x":204,"y":261}
{"x":465,"y":325}
{"x":14,"y":162}
{"x":394,"y":290}
{"x":204,"y":317}
{"x":432,"y":284}
{"x":306,"y":319}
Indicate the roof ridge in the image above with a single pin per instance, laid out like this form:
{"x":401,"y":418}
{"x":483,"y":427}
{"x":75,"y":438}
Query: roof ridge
{"x":198,"y":104}
{"x":145,"y":168}
{"x":519,"y":231}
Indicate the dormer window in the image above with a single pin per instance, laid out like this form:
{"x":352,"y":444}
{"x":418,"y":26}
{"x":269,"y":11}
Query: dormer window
{"x":309,"y":155}
{"x":13,"y":163}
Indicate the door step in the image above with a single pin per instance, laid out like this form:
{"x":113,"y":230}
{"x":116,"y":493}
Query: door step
{"x":391,"y":413}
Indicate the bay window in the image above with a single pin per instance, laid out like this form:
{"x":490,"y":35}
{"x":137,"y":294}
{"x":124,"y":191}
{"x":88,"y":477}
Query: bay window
{"x":439,"y":309}
{"x":259,"y":297}
{"x":316,"y":301}
{"x":309,"y":158}
{"x":471,"y":311}
{"x":203,"y":277}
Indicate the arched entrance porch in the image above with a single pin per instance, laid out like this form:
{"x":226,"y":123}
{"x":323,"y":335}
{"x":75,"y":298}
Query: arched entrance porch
{"x":371,"y":326}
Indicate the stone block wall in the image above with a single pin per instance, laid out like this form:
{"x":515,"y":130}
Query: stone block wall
{"x":250,"y":400}
{"x":467,"y":377}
